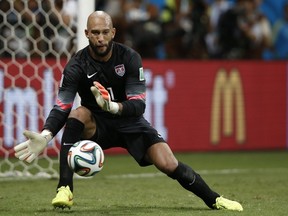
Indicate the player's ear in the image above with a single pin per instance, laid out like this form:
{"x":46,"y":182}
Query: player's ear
{"x":113,"y":32}
{"x":86,"y":33}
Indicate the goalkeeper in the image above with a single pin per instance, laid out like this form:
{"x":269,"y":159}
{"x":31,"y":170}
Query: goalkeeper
{"x":109,"y":79}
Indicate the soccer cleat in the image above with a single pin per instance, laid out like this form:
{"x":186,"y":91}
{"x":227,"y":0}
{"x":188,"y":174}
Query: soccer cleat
{"x":64,"y":198}
{"x":223,"y":203}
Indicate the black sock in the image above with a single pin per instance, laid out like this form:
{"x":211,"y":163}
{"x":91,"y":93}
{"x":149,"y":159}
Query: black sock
{"x":192,"y":181}
{"x":72,"y":134}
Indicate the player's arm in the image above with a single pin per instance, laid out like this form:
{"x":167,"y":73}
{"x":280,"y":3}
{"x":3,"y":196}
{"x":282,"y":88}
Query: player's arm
{"x":135,"y":88}
{"x":66,"y":94}
{"x":36,"y":142}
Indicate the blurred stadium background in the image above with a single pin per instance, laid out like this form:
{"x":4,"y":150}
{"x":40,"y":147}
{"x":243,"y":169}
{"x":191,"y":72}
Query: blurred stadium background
{"x":234,"y":80}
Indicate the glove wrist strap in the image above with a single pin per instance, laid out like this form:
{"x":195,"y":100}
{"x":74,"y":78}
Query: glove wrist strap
{"x":114,"y":107}
{"x":47,"y":135}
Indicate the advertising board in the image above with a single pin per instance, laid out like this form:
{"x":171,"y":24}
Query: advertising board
{"x":195,"y":106}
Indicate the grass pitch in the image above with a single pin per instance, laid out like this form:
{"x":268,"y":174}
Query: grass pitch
{"x":258,"y":180}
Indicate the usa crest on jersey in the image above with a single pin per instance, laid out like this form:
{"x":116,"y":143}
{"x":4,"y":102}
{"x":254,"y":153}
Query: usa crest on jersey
{"x":120,"y":70}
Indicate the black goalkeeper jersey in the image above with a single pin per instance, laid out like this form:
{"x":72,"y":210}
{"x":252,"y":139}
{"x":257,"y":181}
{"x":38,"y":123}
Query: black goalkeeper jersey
{"x":122,"y":76}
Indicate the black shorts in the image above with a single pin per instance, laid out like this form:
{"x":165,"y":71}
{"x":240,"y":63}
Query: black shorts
{"x":135,"y":134}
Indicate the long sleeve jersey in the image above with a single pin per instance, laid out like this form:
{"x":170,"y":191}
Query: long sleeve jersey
{"x":122,"y":75}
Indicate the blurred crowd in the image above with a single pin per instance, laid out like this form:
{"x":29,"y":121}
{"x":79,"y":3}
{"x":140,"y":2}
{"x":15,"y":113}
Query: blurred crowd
{"x":159,"y":29}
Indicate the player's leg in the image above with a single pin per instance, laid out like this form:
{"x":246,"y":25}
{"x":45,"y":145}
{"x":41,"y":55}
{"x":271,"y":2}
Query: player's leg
{"x":80,"y":124}
{"x":162,"y":157}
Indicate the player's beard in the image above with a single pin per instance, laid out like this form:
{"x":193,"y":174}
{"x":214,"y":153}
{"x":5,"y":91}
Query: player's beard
{"x":96,"y":49}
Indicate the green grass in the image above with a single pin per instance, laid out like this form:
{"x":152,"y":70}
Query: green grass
{"x":259,"y":180}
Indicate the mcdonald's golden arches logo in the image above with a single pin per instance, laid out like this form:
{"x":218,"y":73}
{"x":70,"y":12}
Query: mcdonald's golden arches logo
{"x":228,"y":92}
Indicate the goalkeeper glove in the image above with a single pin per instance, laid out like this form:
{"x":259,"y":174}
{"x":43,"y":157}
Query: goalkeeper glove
{"x":34,"y":146}
{"x":103,"y":98}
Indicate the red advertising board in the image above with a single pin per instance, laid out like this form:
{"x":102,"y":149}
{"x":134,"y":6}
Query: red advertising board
{"x":257,"y":89}
{"x":196,"y":106}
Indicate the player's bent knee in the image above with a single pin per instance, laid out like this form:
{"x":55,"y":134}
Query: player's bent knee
{"x":81,"y":113}
{"x":169,"y":165}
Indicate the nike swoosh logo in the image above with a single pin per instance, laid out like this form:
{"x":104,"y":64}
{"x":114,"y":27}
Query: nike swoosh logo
{"x":89,"y":76}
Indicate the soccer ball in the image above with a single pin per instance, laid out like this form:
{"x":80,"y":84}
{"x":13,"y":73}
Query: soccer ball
{"x":86,"y":158}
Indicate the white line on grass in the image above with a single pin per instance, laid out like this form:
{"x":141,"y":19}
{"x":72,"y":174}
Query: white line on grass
{"x":275,"y":170}
{"x":202,"y":172}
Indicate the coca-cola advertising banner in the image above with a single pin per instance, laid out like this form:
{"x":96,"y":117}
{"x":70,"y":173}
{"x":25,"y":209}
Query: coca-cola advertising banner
{"x":196,"y":106}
